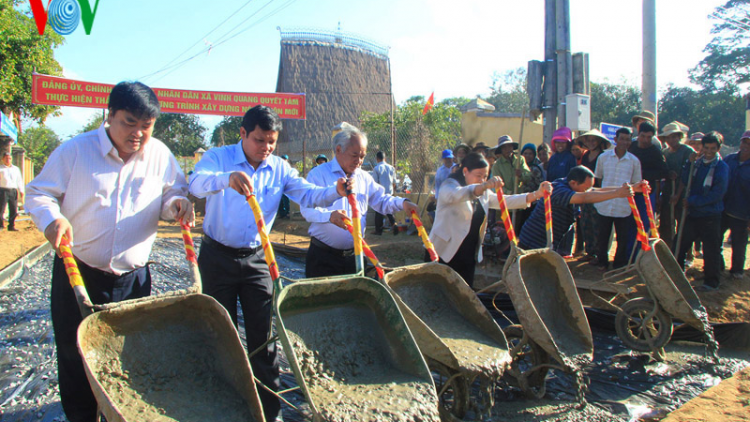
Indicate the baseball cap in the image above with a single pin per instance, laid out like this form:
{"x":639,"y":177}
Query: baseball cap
{"x":447,"y":153}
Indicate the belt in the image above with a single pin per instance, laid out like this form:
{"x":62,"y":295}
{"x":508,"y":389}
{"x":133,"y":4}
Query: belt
{"x":233,"y":252}
{"x":333,"y":251}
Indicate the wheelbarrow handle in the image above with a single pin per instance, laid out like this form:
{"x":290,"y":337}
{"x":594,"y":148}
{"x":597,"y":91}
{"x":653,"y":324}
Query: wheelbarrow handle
{"x":506,"y":218}
{"x":76,"y":281}
{"x":650,"y":211}
{"x":357,"y":233}
{"x":425,"y":239}
{"x":192,"y":257}
{"x":641,"y":235}
{"x":265,"y":242}
{"x":548,"y":217}
{"x":366,"y":249}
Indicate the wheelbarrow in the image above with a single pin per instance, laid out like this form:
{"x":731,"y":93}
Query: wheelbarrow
{"x":170,"y":357}
{"x":553,"y":322}
{"x":645,"y":323}
{"x":348,"y":345}
{"x":455,"y":332}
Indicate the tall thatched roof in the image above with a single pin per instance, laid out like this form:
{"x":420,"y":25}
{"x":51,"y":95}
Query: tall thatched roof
{"x":342,"y":76}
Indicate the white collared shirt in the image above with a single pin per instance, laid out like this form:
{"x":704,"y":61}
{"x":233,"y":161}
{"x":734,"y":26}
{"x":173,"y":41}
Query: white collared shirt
{"x":113,"y":206}
{"x":367,"y":192}
{"x":10,"y":177}
{"x":613,"y":172}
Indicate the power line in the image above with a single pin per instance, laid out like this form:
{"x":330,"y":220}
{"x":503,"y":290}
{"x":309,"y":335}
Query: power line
{"x":222,"y":41}
{"x":171,"y":63}
{"x":202,"y":38}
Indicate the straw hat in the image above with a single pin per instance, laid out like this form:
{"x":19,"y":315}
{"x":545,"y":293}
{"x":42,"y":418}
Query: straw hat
{"x":504,"y":140}
{"x":596,"y":134}
{"x":674,"y":127}
{"x":644,"y":114}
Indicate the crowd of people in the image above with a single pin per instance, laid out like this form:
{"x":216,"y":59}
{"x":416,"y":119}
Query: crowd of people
{"x":696,"y":194}
{"x":106,"y":189}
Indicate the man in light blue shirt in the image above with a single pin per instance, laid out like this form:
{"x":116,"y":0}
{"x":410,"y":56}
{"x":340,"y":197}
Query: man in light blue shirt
{"x":331,"y":245}
{"x":231,"y":261}
{"x":444,"y":171}
{"x":385,"y":175}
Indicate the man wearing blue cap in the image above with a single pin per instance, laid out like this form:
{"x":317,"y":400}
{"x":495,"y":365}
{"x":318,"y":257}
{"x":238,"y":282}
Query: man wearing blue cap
{"x":443,"y":171}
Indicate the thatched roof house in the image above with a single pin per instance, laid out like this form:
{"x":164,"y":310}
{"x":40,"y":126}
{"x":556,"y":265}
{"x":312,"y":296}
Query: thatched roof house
{"x":342,"y":76}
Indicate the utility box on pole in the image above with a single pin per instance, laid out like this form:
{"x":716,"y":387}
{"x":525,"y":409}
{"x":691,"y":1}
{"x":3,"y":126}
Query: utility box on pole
{"x":578,"y":112}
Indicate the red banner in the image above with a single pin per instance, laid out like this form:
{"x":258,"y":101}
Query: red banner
{"x":51,"y":90}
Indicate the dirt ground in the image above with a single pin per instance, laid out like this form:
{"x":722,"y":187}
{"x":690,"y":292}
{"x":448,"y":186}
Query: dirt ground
{"x":17,"y":244}
{"x":729,"y":401}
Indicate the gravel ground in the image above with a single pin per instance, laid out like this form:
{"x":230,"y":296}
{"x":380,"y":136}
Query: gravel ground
{"x":622,"y":384}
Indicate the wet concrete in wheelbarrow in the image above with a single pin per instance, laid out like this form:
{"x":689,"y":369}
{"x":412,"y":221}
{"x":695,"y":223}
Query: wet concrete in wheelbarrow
{"x":623,"y":384}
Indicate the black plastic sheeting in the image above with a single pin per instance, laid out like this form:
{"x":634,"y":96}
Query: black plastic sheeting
{"x":622,"y":384}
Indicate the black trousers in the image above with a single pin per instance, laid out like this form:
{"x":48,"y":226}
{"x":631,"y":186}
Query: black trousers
{"x":622,"y":232}
{"x":324,"y":261}
{"x":464,"y":267}
{"x":739,"y":241}
{"x":379,"y":222}
{"x":709,"y":230}
{"x":10,"y":197}
{"x":228,"y":277}
{"x":76,"y":396}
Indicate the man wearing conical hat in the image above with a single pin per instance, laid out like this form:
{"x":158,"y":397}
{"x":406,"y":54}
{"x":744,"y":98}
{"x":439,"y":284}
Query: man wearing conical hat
{"x":676,"y":155}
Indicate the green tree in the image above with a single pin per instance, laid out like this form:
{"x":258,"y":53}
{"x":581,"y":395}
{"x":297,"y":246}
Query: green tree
{"x":613,"y":103}
{"x":94,"y":122}
{"x":22,"y":52}
{"x":227,"y":131}
{"x":182,"y":133}
{"x":39,"y":142}
{"x":508,"y":91}
{"x":721,"y":110}
{"x":727,"y":60}
{"x":419,"y":138}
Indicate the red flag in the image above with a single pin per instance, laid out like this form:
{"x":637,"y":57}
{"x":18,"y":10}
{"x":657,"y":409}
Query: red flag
{"x":430,"y":103}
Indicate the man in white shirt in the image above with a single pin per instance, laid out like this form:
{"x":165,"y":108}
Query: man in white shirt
{"x":11,"y":190}
{"x":331,"y":245}
{"x":109,"y":187}
{"x":613,"y":168}
{"x":385,"y":175}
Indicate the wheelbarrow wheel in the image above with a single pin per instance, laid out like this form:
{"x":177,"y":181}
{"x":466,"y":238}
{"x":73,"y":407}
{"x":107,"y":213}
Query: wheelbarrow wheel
{"x":452,"y":389}
{"x":640,"y":330}
{"x":529,"y":356}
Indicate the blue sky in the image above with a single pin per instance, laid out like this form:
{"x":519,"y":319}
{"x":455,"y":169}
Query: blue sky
{"x":450,"y":47}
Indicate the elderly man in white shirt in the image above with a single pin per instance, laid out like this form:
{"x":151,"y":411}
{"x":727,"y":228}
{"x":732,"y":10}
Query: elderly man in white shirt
{"x":615,"y":167}
{"x":109,"y":187}
{"x":11,"y":190}
{"x":331,"y":246}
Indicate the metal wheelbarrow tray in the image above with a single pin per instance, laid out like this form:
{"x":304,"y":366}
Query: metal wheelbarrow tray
{"x":668,"y":284}
{"x":168,"y":358}
{"x":645,"y":323}
{"x":449,"y":322}
{"x":352,"y":353}
{"x":546,"y":300}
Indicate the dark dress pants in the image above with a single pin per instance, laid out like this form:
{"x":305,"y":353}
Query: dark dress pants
{"x":77,"y":399}
{"x":10,"y":197}
{"x":227,"y":277}
{"x":379,"y":222}
{"x":739,"y":241}
{"x":324,"y":261}
{"x":622,"y":232}
{"x":709,"y":230}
